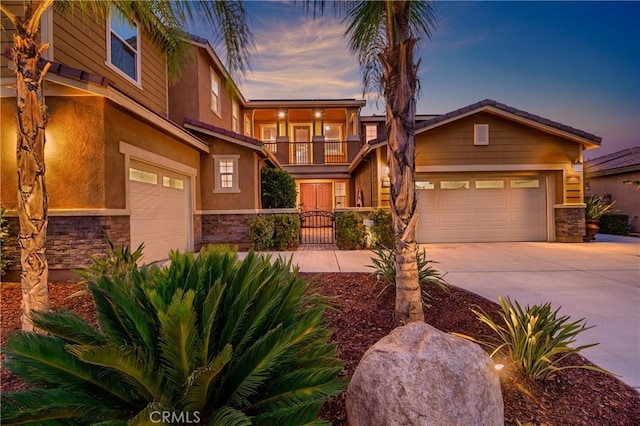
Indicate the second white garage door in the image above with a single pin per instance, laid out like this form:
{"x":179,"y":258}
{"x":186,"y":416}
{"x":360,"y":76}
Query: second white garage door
{"x":160,"y":212}
{"x":468,"y":209}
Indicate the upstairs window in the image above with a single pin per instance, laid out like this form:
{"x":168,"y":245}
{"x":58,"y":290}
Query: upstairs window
{"x":124,"y":45}
{"x":235,"y":113}
{"x":371,"y":132}
{"x":215,"y":92}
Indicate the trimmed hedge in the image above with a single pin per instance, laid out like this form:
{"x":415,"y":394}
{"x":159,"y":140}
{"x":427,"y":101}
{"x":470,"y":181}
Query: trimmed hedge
{"x":275,"y":232}
{"x":350,"y":231}
{"x":615,"y":224}
{"x":382,"y":228}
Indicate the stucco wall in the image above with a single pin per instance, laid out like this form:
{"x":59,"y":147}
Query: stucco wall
{"x":120,"y":126}
{"x":74,"y":153}
{"x":248,"y":178}
{"x":627,"y":197}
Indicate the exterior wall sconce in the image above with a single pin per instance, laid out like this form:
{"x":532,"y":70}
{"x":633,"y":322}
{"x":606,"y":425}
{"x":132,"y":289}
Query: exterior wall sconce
{"x":577,"y":166}
{"x":281,"y":114}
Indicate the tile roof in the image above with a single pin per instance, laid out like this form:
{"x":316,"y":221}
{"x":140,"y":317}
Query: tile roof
{"x":511,"y":110}
{"x":66,"y":71}
{"x":222,"y":131}
{"x":617,"y":161}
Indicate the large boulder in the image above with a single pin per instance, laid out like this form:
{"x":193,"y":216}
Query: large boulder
{"x":418,"y":375}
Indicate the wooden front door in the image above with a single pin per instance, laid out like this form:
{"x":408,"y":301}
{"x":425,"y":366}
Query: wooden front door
{"x":315,"y":196}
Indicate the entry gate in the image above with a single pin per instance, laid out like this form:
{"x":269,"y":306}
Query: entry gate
{"x":317,"y":227}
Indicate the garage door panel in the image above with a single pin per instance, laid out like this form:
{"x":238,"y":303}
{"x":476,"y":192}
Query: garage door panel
{"x":490,"y":209}
{"x":159,"y":213}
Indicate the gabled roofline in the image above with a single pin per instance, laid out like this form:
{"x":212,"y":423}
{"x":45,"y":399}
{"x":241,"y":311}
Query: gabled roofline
{"x":587,"y":139}
{"x":366,"y":148}
{"x":231,"y":137}
{"x":204,"y":44}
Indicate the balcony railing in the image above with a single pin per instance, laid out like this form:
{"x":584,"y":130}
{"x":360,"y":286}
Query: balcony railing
{"x":303,"y":153}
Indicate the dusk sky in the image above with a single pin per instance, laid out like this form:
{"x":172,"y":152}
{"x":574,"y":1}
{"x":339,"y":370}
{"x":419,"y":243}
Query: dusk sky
{"x":573,"y":62}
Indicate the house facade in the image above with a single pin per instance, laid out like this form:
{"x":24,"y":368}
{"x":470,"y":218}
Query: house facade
{"x":612,"y":176}
{"x":135,"y":159}
{"x":488,"y":172}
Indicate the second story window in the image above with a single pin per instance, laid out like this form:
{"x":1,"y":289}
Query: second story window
{"x":371,"y":132}
{"x":215,"y":92}
{"x":235,"y":113}
{"x":124,"y":45}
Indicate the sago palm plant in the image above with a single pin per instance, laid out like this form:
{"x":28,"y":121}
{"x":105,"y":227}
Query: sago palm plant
{"x":224,"y":341}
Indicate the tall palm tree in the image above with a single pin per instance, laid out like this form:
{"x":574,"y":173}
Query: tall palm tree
{"x":384,"y":36}
{"x":163,"y":21}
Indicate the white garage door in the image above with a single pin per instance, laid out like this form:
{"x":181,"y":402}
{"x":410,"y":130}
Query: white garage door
{"x":160,"y":212}
{"x":469,"y":209}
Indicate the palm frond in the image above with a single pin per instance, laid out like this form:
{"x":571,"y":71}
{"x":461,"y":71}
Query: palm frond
{"x":49,"y":405}
{"x":200,"y":384}
{"x":229,"y":416}
{"x":178,"y":337}
{"x":68,"y":326}
{"x":44,"y":360}
{"x":208,"y":323}
{"x":124,"y":314}
{"x":133,"y":364}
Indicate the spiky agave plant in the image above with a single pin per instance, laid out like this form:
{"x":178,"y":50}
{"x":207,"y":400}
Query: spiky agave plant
{"x":228,"y":342}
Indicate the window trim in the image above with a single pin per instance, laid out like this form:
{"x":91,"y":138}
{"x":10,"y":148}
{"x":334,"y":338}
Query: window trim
{"x":138,"y":80}
{"x":213,"y":76}
{"x":217,"y":185}
{"x":235,"y":116}
{"x":367,"y":127}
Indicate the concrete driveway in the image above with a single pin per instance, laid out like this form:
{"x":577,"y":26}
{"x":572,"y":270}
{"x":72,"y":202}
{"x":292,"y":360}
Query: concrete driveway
{"x":599,"y":281}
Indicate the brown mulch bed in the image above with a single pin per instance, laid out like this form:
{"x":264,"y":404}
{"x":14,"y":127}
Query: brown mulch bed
{"x":572,"y":397}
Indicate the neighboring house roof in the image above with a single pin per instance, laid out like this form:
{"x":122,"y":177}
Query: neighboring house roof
{"x":627,"y":160}
{"x":66,"y":71}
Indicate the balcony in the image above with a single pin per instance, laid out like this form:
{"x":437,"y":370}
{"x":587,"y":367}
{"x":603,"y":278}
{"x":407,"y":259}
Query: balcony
{"x":314,"y":153}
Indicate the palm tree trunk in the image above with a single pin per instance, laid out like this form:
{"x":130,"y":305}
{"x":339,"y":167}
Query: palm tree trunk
{"x":400,"y":77}
{"x":32,"y":191}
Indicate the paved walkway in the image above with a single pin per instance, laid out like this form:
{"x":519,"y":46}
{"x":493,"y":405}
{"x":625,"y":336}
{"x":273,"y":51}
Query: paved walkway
{"x":599,"y":281}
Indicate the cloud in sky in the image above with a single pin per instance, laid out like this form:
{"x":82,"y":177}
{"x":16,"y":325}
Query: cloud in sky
{"x":302,"y":58}
{"x":573,"y":62}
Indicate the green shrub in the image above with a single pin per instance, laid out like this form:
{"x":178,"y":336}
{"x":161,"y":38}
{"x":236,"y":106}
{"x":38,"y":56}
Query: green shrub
{"x":350,"y":231}
{"x":384,"y":265}
{"x":597,"y":207}
{"x":287,"y":231}
{"x":276,"y":232}
{"x":278,"y":189}
{"x":615,"y":224}
{"x":382,"y":228}
{"x":261,"y":230}
{"x":4,"y":235}
{"x":231,"y":342}
{"x":535,"y":338}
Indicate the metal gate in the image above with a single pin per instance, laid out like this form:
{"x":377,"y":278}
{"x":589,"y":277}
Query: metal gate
{"x":317,"y":227}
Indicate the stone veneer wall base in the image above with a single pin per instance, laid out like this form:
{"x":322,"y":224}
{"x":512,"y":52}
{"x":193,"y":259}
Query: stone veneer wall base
{"x":70,"y":240}
{"x":570,"y":224}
